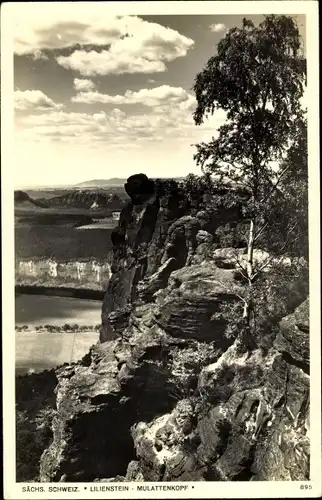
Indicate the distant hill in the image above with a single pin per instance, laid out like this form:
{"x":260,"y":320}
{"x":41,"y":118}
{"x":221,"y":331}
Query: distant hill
{"x":115,"y":181}
{"x":87,"y":199}
{"x":102,"y":182}
{"x":24,"y":201}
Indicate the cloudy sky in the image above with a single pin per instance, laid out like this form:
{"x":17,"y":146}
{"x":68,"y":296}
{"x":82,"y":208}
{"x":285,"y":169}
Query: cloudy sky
{"x":98,"y":96}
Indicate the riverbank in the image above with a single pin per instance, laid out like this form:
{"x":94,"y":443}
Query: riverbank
{"x":66,"y":328}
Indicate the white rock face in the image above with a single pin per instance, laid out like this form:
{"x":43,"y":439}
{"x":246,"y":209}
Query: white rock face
{"x":53,"y":265}
{"x":91,"y":273}
{"x":97,"y":270}
{"x":28,"y":268}
{"x":80,"y":268}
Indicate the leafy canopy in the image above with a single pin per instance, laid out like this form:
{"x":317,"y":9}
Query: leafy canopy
{"x":258,"y":78}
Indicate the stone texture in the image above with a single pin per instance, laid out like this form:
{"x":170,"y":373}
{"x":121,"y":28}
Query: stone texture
{"x":194,"y":296}
{"x":293,"y":338}
{"x":168,"y":395}
{"x":157,"y":281}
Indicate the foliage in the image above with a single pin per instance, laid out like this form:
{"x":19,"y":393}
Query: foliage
{"x":257,"y":78}
{"x":35,"y":409}
{"x":172,"y":197}
{"x":277,"y":293}
{"x":185,"y":366}
{"x":294,"y":187}
{"x":198,"y":190}
{"x":231,"y":235}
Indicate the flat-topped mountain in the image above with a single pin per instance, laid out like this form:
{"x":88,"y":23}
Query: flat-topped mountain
{"x":115,"y":181}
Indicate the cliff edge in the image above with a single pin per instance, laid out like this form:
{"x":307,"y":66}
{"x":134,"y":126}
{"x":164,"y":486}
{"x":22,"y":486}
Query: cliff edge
{"x":172,"y":392}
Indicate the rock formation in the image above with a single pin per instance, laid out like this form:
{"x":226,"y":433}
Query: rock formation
{"x":167,"y":394}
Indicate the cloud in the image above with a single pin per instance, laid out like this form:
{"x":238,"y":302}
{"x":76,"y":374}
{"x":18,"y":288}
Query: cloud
{"x":163,"y":96}
{"x":83,"y":85}
{"x":216,"y":28}
{"x":103,"y":63}
{"x":130,"y":44}
{"x":166,"y":122}
{"x":33,"y":99}
{"x":156,"y":96}
{"x":64,"y":127}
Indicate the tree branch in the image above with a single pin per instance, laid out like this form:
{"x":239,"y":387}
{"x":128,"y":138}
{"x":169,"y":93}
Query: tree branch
{"x":243,"y":271}
{"x":269,"y":259}
{"x":260,"y":231}
{"x":275,"y":185}
{"x":231,"y":290}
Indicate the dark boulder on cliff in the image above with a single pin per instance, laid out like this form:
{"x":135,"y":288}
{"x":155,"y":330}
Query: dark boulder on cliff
{"x":139,"y":188}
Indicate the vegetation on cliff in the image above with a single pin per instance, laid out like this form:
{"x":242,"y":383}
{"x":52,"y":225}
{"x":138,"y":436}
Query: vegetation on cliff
{"x":35,"y":408}
{"x":258,"y":78}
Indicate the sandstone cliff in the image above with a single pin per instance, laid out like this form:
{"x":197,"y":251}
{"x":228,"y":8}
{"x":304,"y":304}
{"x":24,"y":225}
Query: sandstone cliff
{"x":171,"y":392}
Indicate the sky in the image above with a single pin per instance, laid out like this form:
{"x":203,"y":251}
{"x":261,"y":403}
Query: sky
{"x":100,"y":96}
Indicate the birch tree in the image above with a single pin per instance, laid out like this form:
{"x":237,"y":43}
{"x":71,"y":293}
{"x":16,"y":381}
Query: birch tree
{"x":257,"y":77}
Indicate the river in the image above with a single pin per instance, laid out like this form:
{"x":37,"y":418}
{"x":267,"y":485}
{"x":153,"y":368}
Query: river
{"x":35,"y":310}
{"x":36,"y":351}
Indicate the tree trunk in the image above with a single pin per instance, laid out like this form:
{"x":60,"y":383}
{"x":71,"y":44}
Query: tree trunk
{"x":249,"y":270}
{"x":246,"y":311}
{"x":250,"y":251}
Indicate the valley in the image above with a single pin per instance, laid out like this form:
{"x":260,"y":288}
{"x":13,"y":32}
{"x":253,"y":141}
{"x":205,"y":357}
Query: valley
{"x":62,"y":244}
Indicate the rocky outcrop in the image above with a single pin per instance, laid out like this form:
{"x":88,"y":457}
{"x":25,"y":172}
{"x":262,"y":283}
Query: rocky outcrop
{"x":293,"y":339}
{"x":152,"y":406}
{"x":250,"y":421}
{"x":157,"y":233}
{"x":190,"y":307}
{"x":83,"y":198}
{"x":170,"y":394}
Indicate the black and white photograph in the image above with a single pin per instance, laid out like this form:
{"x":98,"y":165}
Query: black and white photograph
{"x":160,"y":191}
